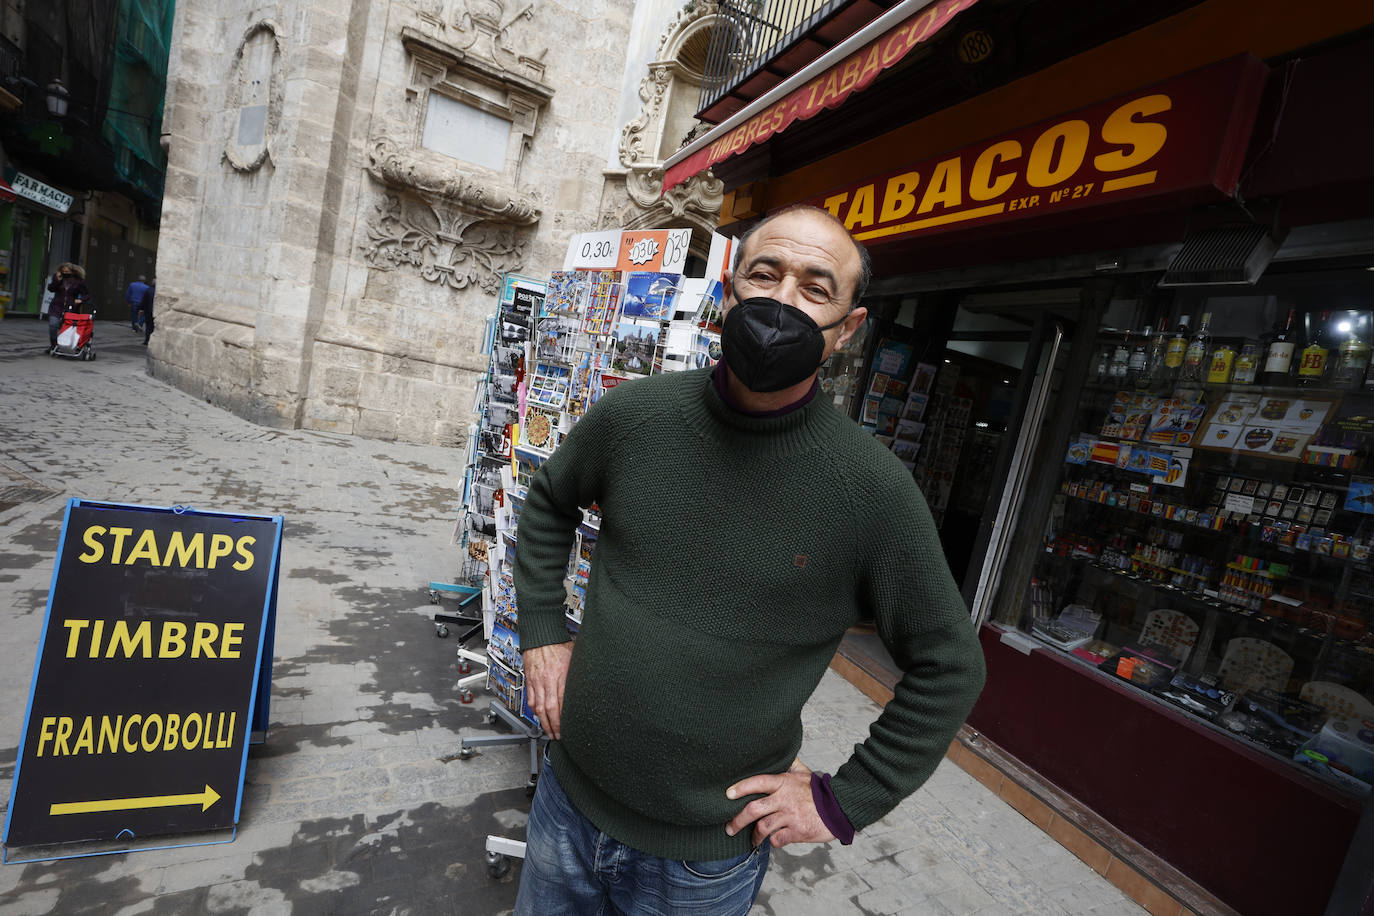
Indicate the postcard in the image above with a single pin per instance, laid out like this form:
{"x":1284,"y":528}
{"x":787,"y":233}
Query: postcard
{"x":550,"y":385}
{"x":923,"y":378}
{"x":911,"y":430}
{"x":603,"y":303}
{"x":567,"y":293}
{"x":636,"y":346}
{"x":650,"y":295}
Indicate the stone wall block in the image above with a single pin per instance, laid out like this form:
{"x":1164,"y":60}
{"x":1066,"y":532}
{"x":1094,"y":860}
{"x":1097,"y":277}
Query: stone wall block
{"x":309,"y":181}
{"x":419,"y":369}
{"x":325,"y":29}
{"x":379,"y":391}
{"x":335,"y":418}
{"x":293,"y":262}
{"x":333,"y":354}
{"x":181,"y":183}
{"x":414,"y":428}
{"x":324,"y":65}
{"x":275,"y":373}
{"x":453,"y":433}
{"x":376,"y":424}
{"x":341,"y":386}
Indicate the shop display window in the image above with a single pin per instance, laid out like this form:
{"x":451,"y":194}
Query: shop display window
{"x":1209,"y":540}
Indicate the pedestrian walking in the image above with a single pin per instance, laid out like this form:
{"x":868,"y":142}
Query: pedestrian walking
{"x":146,"y":304}
{"x":134,"y":297}
{"x":676,"y":715}
{"x":68,"y":287}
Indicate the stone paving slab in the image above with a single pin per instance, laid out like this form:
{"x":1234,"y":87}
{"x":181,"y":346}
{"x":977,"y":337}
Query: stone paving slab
{"x":356,"y":803}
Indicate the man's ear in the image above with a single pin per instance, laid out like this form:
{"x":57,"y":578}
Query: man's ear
{"x":727,"y":282}
{"x":852,"y":322}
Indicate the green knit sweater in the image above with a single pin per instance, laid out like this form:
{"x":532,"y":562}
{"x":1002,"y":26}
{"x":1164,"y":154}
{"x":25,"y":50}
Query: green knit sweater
{"x":734,"y":552}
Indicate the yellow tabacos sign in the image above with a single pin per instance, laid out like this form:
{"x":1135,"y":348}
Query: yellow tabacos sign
{"x":1186,"y":133}
{"x":1009,"y":175}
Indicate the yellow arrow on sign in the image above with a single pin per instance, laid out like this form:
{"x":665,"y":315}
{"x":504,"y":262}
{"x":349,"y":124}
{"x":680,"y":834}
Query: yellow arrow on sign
{"x":204,"y":799}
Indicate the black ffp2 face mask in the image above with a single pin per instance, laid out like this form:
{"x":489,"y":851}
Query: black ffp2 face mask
{"x":770,"y":345}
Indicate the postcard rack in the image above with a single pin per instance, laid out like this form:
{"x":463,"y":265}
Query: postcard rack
{"x":554,"y":348}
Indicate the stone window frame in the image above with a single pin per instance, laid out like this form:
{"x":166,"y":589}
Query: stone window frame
{"x":436,"y":66}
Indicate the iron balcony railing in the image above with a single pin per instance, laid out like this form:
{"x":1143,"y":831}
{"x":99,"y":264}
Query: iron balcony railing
{"x":749,"y":34}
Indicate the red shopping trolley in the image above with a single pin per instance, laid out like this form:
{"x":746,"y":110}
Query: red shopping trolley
{"x":74,"y":338}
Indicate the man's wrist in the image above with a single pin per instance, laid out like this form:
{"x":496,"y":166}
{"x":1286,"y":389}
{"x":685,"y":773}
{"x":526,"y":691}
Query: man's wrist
{"x":829,"y":810}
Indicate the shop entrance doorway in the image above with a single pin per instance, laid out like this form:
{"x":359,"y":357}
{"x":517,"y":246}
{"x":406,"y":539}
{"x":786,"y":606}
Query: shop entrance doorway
{"x":973,"y":389}
{"x":1003,"y":346}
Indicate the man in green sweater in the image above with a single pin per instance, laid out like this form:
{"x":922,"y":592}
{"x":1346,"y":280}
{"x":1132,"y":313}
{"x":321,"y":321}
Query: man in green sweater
{"x":746,"y":524}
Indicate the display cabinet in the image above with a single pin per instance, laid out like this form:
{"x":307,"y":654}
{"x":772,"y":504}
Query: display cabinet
{"x":1210,"y":539}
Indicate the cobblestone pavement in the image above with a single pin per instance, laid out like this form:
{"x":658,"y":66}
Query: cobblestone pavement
{"x":356,"y":803}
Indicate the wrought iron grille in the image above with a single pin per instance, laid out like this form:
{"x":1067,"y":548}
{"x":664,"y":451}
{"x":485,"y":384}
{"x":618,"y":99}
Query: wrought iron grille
{"x":749,"y":34}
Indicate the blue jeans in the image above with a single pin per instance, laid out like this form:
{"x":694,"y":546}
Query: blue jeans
{"x":572,"y":869}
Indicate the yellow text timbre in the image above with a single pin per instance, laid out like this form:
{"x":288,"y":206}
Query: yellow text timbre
{"x":173,"y":640}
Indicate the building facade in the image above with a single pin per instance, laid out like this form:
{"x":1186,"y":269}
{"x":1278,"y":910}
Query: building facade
{"x":348,"y":186}
{"x":81,"y":89}
{"x":1119,"y":332}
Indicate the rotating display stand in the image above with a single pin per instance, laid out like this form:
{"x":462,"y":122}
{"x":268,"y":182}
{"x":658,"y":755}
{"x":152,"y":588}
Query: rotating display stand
{"x":554,"y":348}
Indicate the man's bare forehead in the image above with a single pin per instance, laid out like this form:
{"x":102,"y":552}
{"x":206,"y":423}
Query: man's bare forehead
{"x":819,"y":246}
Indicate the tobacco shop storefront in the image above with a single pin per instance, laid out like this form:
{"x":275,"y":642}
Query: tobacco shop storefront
{"x":1125,"y":350}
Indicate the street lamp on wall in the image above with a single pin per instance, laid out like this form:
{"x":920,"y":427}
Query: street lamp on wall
{"x":56,"y":97}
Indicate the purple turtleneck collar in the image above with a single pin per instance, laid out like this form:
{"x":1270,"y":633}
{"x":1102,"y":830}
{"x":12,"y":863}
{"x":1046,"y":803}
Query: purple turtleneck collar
{"x":722,"y":383}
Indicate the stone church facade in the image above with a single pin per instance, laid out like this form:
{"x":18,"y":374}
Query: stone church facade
{"x":348,"y":184}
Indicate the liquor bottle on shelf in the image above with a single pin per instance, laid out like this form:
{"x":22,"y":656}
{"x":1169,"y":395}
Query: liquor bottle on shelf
{"x":1104,"y":361}
{"x":1247,"y":364}
{"x":1194,"y":369}
{"x":1352,"y":356}
{"x":1121,"y":358}
{"x":1221,"y":364}
{"x":1315,"y":356}
{"x":1155,"y":371}
{"x":1178,"y":346}
{"x":1140,"y":358}
{"x":1278,"y":359}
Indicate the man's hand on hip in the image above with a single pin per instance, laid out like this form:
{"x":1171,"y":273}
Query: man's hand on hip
{"x":546,"y":671}
{"x":785,"y":814}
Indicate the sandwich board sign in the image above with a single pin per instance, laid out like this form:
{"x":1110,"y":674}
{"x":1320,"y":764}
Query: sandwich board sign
{"x":154,"y":661}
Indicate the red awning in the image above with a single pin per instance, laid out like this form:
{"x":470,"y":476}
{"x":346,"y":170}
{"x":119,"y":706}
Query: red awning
{"x":851,"y":70}
{"x":7,"y":194}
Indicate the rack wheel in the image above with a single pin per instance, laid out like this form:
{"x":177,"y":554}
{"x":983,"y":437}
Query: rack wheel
{"x":433,"y":596}
{"x":531,"y":786}
{"x":498,"y":865}
{"x":441,"y":631}
{"x":466,"y":753}
{"x":465,"y":667}
{"x":53,"y":353}
{"x":465,"y":697}
{"x":489,"y":718}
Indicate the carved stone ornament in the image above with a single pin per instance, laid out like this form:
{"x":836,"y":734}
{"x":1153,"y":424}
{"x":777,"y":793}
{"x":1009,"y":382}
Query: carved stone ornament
{"x":695,"y":202}
{"x":484,"y":29}
{"x":700,"y":194}
{"x":254,"y":101}
{"x":445,"y":244}
{"x":434,"y":177}
{"x":652,"y":90}
{"x":691,"y":12}
{"x":454,"y":228}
